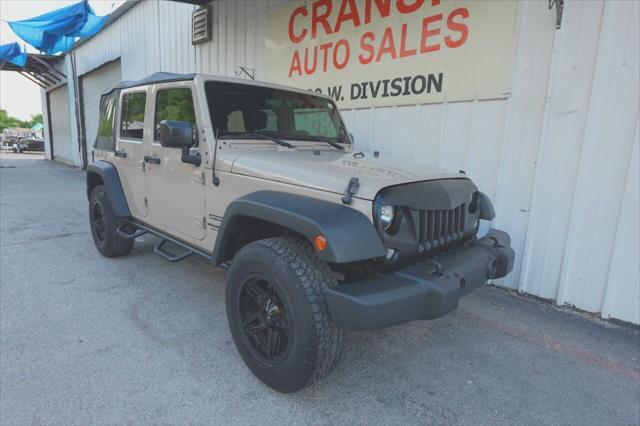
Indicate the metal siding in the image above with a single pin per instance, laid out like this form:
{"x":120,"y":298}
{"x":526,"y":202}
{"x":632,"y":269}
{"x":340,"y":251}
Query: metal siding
{"x":604,"y":160}
{"x":622,"y":297}
{"x":93,"y":85}
{"x":557,"y":156}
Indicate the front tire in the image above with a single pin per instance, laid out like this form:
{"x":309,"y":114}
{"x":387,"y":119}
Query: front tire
{"x":104,"y":224}
{"x":278,"y":314}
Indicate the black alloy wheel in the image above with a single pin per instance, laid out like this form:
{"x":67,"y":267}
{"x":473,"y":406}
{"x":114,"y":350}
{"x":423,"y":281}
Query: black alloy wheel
{"x":264,"y":319}
{"x":104,"y":224}
{"x":98,"y":221}
{"x":278,"y":314}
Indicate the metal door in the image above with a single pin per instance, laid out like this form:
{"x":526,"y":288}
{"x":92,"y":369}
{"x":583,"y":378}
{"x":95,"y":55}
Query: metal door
{"x":175,"y":189}
{"x":130,"y":148}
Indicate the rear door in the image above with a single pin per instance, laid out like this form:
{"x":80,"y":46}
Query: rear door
{"x":175,"y":189}
{"x":130,"y":149}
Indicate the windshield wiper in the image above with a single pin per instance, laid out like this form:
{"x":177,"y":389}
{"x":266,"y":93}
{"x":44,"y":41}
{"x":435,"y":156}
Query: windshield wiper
{"x":271,"y":138}
{"x":330,"y":142}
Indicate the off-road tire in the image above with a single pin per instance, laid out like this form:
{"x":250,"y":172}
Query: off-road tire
{"x":299,"y":277}
{"x":111,"y":244}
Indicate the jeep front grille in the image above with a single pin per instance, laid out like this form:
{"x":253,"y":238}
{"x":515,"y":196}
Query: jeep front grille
{"x":439,"y":227}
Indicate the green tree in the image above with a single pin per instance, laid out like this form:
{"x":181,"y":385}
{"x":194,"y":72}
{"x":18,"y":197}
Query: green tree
{"x":7,"y":121}
{"x":37,"y":118}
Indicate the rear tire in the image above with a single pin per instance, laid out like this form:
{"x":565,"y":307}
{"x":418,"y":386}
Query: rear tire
{"x":104,"y":224}
{"x":275,"y":300}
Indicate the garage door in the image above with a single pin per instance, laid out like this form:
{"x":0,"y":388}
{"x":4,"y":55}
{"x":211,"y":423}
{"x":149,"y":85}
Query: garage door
{"x":61,"y":136}
{"x":94,"y":84}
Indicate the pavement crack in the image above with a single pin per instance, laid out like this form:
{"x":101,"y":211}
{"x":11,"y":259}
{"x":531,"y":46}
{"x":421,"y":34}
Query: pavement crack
{"x":43,"y":238}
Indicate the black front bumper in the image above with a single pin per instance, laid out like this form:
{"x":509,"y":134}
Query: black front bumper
{"x":424,"y":291}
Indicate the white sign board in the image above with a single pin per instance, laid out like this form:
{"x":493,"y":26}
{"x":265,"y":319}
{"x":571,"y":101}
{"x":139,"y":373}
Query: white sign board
{"x":392,"y":52}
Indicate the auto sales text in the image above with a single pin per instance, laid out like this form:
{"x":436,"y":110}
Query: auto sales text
{"x":324,"y":17}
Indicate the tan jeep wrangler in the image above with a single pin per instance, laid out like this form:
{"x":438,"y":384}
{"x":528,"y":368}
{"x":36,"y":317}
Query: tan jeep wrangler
{"x":318,"y":237}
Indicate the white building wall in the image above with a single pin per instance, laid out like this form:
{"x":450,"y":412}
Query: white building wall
{"x":559,"y":157}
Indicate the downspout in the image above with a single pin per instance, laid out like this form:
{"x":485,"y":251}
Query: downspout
{"x":82,"y":146}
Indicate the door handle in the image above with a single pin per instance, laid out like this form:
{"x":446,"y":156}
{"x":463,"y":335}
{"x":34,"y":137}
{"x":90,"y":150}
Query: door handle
{"x":121,"y":153}
{"x":150,"y":159}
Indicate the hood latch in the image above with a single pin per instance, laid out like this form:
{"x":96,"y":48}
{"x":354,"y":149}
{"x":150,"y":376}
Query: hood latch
{"x":351,"y":190}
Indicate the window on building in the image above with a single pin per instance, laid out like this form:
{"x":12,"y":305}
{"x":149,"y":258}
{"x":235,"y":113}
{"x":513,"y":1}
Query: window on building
{"x":104,"y":139}
{"x":132,"y":115}
{"x":174,"y":104}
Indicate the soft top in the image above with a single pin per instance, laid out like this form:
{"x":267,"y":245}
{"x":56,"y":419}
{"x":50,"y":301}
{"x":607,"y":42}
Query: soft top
{"x":157,"y":77}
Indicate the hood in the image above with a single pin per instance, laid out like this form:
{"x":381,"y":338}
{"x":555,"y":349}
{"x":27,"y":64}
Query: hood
{"x":331,"y":170}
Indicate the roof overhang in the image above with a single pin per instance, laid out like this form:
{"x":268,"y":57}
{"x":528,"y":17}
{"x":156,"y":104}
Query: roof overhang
{"x":40,"y":69}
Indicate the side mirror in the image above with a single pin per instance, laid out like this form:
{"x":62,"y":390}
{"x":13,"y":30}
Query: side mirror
{"x":180,"y":134}
{"x":176,"y":134}
{"x":353,"y":140}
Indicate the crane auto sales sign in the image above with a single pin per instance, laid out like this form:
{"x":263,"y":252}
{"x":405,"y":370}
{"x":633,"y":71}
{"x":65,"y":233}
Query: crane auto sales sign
{"x":368,"y":53}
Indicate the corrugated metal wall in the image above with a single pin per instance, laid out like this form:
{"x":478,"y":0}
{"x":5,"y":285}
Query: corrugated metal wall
{"x":559,"y":157}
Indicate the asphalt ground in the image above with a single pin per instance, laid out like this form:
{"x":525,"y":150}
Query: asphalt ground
{"x":85,"y":340}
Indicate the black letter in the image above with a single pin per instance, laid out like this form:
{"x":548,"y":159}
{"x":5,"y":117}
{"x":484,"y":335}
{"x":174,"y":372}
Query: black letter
{"x":396,"y":86}
{"x":374,"y":92}
{"x":353,"y":87}
{"x":385,"y":91}
{"x":334,"y":92}
{"x":437,"y":83}
{"x":413,"y":84}
{"x":364,"y":90}
{"x":406,"y":86}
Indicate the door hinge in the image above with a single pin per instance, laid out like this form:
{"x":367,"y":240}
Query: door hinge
{"x":202,"y":178}
{"x":144,"y":169}
{"x":146,"y":202}
{"x":204,"y":222}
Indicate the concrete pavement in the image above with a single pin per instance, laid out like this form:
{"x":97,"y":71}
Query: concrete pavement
{"x":85,"y":339}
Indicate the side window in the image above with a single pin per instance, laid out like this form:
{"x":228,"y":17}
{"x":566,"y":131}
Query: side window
{"x":132,"y":115}
{"x":174,"y":104}
{"x":104,"y":139}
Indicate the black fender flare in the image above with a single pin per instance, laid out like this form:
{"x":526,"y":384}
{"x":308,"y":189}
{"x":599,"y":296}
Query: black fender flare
{"x":109,"y":175}
{"x":349,"y":233}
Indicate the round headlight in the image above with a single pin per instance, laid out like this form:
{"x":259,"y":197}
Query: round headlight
{"x":386,"y":216}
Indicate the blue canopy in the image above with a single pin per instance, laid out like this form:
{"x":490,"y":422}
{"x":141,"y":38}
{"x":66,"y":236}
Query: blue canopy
{"x":56,"y":31}
{"x":11,"y":52}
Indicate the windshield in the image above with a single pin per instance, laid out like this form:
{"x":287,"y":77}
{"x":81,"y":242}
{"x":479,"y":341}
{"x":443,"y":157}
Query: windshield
{"x":245,"y":111}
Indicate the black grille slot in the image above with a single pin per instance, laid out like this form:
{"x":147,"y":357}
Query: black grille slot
{"x":439,"y":227}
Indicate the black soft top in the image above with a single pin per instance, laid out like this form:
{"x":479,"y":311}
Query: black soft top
{"x":157,"y":77}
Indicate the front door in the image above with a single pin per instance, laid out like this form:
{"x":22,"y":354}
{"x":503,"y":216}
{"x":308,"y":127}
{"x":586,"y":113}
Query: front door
{"x":175,"y":190}
{"x":130,"y":148}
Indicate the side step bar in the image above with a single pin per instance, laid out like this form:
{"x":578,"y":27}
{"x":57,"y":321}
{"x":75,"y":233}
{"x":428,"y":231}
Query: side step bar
{"x":140,"y":229}
{"x":123,"y":229}
{"x":170,"y":256}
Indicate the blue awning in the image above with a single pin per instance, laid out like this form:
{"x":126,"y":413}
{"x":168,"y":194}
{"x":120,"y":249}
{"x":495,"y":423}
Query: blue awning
{"x":57,"y":31}
{"x":11,"y":52}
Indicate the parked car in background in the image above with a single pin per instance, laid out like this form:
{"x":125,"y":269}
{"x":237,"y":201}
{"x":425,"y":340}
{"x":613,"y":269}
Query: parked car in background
{"x":29,"y":144}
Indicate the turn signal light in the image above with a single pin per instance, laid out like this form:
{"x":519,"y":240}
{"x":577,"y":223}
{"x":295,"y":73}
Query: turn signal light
{"x":320,"y":242}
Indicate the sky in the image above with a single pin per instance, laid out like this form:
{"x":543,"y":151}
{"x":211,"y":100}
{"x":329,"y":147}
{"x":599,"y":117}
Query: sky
{"x":19,"y":96}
